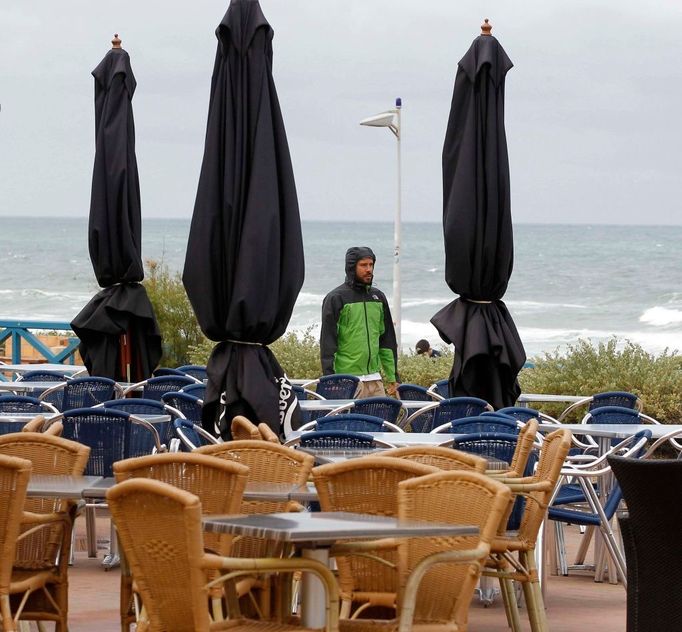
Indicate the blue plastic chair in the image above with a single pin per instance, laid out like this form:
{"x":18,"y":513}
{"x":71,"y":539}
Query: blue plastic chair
{"x":189,"y":406}
{"x":470,"y":425}
{"x":414,"y":393}
{"x":608,"y":398}
{"x":164,"y":370}
{"x":192,"y":435}
{"x":441,"y":388}
{"x":111,"y":435}
{"x":352,"y":421}
{"x":42,"y":376}
{"x":600,"y":513}
{"x":81,"y":392}
{"x":155,"y":387}
{"x":196,"y":371}
{"x":24,"y":404}
{"x":430,"y":417}
{"x":337,"y":440}
{"x":337,"y":386}
{"x":386,"y":408}
{"x":196,"y":390}
{"x":500,"y":446}
{"x":139,"y":406}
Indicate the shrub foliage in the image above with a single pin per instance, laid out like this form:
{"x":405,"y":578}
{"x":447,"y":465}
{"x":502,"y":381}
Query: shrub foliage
{"x":585,"y":369}
{"x":178,"y":324}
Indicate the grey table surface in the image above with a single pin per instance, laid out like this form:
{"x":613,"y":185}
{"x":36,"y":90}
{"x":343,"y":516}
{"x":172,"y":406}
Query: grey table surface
{"x":615,"y":431}
{"x":60,"y":486}
{"x":67,"y":369}
{"x":323,"y":528}
{"x":400,"y":439}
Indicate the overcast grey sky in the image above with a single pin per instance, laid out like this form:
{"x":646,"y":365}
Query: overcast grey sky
{"x":594,"y":102}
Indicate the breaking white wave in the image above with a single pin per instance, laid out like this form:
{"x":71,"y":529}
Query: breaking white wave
{"x":661,"y":316}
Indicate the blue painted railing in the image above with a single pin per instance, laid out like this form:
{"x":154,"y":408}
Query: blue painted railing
{"x":20,"y":331}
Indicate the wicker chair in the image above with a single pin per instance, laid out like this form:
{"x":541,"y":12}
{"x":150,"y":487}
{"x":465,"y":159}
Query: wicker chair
{"x":47,"y":551}
{"x":437,"y":576}
{"x":160,"y":530}
{"x":651,"y":538}
{"x":267,"y":433}
{"x":440,"y":457}
{"x":267,"y":463}
{"x":367,"y":485}
{"x":537,"y":491}
{"x":14,"y":475}
{"x":218,"y":484}
{"x":243,"y":429}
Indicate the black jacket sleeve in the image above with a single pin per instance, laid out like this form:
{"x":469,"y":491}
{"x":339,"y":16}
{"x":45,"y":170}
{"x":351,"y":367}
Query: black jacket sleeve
{"x":331,"y":308}
{"x":388,"y":345}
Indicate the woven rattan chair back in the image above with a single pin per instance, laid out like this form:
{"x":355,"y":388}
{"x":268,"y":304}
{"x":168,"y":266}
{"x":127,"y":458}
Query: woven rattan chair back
{"x":159,"y":527}
{"x":445,"y":592}
{"x":524,"y":448}
{"x":242,"y":428}
{"x":552,"y":456}
{"x":14,"y":475}
{"x":35,"y":425}
{"x":366,"y":485}
{"x":436,"y":456}
{"x":267,"y":433}
{"x":219,"y":484}
{"x":267,"y":463}
{"x":48,"y":455}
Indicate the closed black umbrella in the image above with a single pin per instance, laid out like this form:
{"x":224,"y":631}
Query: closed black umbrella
{"x":119,"y":334}
{"x":477,"y":227}
{"x":244,"y":265}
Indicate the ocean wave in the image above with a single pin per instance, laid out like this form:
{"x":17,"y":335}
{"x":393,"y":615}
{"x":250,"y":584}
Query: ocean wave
{"x":661,"y":316}
{"x":536,"y":305}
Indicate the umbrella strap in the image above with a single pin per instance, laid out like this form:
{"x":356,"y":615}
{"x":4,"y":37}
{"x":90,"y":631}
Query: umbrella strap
{"x":471,"y":300}
{"x":242,"y":342}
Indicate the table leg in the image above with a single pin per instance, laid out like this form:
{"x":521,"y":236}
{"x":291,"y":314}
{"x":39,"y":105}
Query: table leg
{"x":313,"y":593}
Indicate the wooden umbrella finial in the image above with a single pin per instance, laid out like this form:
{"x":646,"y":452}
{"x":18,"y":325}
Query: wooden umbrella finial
{"x":486,"y":27}
{"x":116,"y":42}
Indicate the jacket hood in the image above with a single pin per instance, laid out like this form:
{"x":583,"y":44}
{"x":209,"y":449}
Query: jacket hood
{"x":353,"y":255}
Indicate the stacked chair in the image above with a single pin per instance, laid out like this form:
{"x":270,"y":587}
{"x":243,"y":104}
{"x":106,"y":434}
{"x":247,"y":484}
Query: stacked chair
{"x":268,"y":463}
{"x":152,"y":511}
{"x":218,"y":484}
{"x":367,"y":485}
{"x":37,"y":548}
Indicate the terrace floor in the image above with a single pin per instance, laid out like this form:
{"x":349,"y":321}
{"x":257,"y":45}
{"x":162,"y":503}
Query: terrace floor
{"x":573,"y":602}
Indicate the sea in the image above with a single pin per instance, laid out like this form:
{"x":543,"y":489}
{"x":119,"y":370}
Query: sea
{"x":569,"y":282}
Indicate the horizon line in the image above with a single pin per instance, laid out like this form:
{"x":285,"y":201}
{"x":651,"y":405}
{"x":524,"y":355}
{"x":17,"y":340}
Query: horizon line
{"x":364,"y":221}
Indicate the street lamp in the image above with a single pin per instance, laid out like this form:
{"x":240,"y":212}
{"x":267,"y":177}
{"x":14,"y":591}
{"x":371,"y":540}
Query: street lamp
{"x":391,"y":119}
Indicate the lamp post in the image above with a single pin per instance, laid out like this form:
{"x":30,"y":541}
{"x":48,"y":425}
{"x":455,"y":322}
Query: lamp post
{"x":391,"y":120}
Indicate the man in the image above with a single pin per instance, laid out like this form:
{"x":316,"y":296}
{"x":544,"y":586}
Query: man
{"x":424,"y":348}
{"x":357,"y":334}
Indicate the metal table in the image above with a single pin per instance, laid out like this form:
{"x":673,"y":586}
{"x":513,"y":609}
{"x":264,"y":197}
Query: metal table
{"x":400,"y":439}
{"x":72,"y":487}
{"x":66,"y":369}
{"x":314,"y":533}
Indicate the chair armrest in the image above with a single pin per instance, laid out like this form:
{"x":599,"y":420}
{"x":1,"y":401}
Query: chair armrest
{"x":418,"y":572}
{"x":238,"y":566}
{"x":350,"y":548}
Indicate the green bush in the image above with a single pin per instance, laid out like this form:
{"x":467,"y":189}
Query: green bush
{"x":585,"y":369}
{"x":178,"y":324}
{"x":424,"y":371}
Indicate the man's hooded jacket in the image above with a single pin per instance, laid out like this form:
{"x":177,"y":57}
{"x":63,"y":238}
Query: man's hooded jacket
{"x":357,"y":330}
